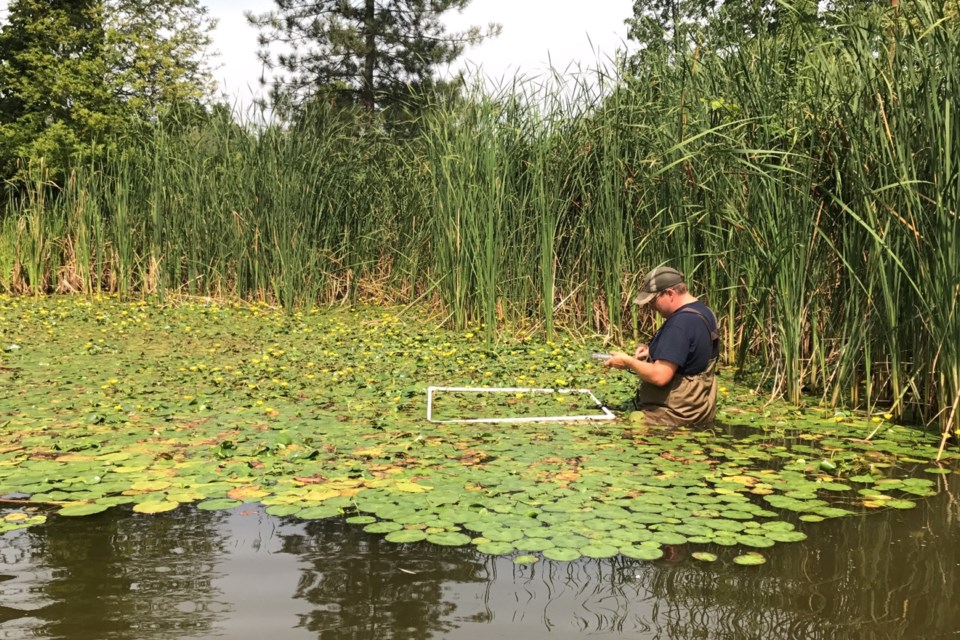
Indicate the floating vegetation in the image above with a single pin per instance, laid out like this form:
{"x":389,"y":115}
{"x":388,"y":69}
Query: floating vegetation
{"x":321,"y":415}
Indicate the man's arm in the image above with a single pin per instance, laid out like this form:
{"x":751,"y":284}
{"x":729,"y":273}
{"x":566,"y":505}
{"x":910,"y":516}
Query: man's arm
{"x":659,"y":372}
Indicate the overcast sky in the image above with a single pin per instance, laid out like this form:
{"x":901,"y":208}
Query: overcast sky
{"x":536,"y":33}
{"x":566,"y":33}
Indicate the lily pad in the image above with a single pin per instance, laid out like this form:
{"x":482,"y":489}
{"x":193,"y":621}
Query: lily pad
{"x":901,"y":504}
{"x":704,"y":556}
{"x":526,"y":559}
{"x":83,"y":509}
{"x":449,"y":539}
{"x":405,"y":536}
{"x":751,"y":558}
{"x":161,"y":506}
{"x":383,"y":527}
{"x":496,"y":548}
{"x":598,"y":551}
{"x":561,"y":554}
{"x":318,"y":513}
{"x":641,"y":553}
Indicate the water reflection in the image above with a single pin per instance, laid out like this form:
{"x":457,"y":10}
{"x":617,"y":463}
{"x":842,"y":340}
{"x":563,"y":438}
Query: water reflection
{"x":243,"y":574}
{"x":117,"y":576}
{"x":364,"y":587}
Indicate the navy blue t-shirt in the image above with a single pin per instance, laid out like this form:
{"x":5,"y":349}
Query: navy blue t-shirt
{"x":685,"y":340}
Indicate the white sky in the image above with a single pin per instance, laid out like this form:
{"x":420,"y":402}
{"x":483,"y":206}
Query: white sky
{"x":537,"y":34}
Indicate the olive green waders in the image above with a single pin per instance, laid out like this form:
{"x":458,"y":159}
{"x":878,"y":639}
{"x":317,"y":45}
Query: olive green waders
{"x":685,"y":401}
{"x":688,"y":400}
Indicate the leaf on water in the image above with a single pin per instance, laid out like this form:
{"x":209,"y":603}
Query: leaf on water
{"x":411,"y":487}
{"x":496,"y":548}
{"x":561,"y":554}
{"x":750,"y":559}
{"x":247,"y":493}
{"x":83,"y":509}
{"x":383,"y":527}
{"x":155,"y":507}
{"x":901,"y":504}
{"x":449,"y":539}
{"x":405,"y":536}
{"x":640,"y":553}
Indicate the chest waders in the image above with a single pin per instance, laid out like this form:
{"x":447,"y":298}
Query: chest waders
{"x":687,"y":400}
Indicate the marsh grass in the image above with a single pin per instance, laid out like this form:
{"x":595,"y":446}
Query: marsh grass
{"x":806,"y":181}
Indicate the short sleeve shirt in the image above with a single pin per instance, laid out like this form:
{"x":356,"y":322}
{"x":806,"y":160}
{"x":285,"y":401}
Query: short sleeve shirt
{"x":685,"y":340}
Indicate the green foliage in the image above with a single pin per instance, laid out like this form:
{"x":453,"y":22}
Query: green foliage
{"x":358,"y":52}
{"x":75,"y":77}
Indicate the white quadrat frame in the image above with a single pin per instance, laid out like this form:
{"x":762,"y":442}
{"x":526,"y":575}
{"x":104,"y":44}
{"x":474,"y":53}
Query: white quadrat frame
{"x":605,"y":414}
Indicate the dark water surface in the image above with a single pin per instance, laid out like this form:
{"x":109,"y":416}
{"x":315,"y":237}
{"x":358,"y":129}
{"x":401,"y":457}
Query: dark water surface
{"x":244,"y":574}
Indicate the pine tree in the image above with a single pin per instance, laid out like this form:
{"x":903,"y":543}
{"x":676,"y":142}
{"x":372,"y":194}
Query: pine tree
{"x":368,"y":52}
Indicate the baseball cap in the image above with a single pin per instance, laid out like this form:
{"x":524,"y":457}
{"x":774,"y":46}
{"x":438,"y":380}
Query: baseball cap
{"x":656,"y":281}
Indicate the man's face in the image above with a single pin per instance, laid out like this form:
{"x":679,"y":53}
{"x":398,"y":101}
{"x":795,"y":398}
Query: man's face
{"x":665,"y":302}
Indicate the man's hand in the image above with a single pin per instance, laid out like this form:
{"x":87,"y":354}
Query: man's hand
{"x":618,"y":360}
{"x":642,"y":353}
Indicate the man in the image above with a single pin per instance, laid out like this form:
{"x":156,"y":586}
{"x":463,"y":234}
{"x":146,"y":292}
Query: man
{"x":678,"y":383}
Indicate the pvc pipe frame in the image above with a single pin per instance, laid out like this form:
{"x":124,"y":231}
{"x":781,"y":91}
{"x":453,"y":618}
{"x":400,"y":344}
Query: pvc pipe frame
{"x":606,"y":415}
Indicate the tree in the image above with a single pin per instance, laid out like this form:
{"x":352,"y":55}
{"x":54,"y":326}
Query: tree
{"x":51,"y":80}
{"x":677,"y":27}
{"x":160,"y":52}
{"x":367,"y":52}
{"x":76,"y":74}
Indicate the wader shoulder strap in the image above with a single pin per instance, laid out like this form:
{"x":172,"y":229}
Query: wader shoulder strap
{"x":713,"y":333}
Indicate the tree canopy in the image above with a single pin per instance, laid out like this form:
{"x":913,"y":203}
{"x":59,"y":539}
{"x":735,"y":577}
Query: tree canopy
{"x":76,"y":74}
{"x":367,"y":52}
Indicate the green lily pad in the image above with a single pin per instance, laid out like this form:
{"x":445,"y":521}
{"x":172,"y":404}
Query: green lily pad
{"x":641,"y":553}
{"x":383,"y":527}
{"x":502,"y":535}
{"x":318,"y":513}
{"x":598,"y":550}
{"x":361,"y":520}
{"x":704,"y":556}
{"x":281,"y":510}
{"x":534,"y":544}
{"x":449,"y":539}
{"x":526,"y":559}
{"x":495,"y":548}
{"x":405,"y":536}
{"x":750,"y":559}
{"x":561,"y":554}
{"x":900,"y":504}
{"x":785,"y":536}
{"x":83,"y":509}
{"x":152,"y":507}
{"x":760,"y":542}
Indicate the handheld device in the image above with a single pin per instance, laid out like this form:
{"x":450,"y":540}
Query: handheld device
{"x":601,"y":356}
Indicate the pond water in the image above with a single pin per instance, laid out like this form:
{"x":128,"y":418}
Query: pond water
{"x":244,"y":574}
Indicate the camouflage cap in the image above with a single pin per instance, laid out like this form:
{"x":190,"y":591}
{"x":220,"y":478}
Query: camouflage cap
{"x":658,"y":280}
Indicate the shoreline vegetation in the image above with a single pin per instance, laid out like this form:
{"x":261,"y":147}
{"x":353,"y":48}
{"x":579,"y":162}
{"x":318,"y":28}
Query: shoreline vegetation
{"x":806,"y":182}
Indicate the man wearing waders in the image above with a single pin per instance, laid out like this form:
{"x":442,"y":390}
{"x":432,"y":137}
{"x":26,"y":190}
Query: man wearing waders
{"x":678,"y":383}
